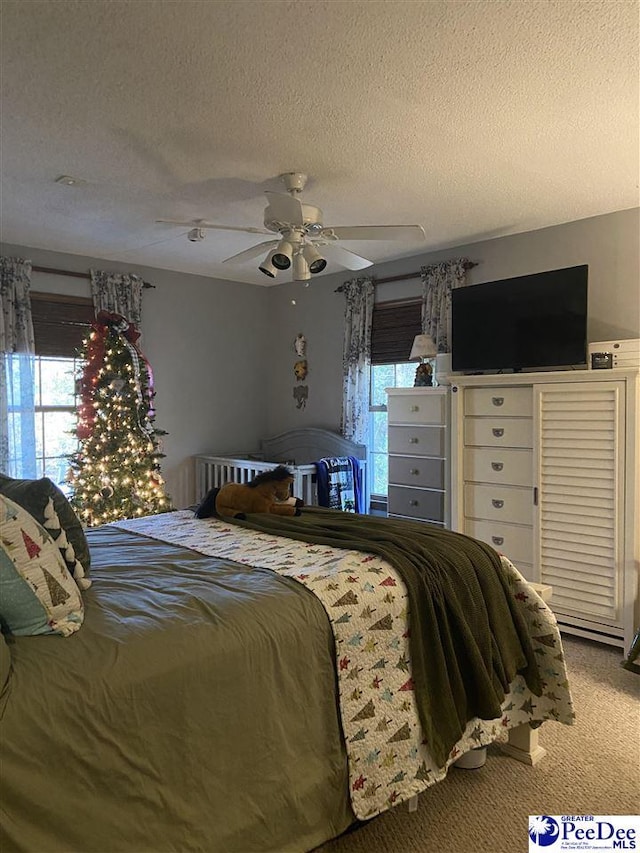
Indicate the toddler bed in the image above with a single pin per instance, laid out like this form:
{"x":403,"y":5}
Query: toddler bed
{"x":252,"y":686}
{"x":298,"y":449}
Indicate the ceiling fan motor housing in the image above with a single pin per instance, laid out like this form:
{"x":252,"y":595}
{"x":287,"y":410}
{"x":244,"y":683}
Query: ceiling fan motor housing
{"x":311,"y":219}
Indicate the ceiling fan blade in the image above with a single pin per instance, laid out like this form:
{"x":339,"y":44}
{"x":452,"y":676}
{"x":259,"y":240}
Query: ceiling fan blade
{"x":344,"y":257}
{"x":253,"y":252}
{"x":202,"y":223}
{"x":376,"y":232}
{"x":284,"y":208}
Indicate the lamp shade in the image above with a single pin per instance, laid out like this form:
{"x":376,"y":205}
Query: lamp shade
{"x":423,"y":347}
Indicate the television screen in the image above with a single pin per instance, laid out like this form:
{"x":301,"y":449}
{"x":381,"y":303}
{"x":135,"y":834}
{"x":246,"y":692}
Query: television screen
{"x":527,"y":322}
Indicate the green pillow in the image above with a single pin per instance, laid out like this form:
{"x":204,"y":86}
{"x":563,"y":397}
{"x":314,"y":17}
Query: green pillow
{"x":48,"y":505}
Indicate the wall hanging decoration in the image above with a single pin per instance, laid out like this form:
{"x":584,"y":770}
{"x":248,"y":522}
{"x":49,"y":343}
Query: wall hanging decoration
{"x":300,"y":345}
{"x":300,"y":395}
{"x":300,"y":368}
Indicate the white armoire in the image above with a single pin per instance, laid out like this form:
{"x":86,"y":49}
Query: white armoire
{"x":544,"y":467}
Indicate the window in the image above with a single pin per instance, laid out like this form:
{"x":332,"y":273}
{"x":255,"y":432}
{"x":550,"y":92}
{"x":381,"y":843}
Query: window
{"x":383,"y":376}
{"x":394,"y":326}
{"x":55,"y":416}
{"x":59,"y":325}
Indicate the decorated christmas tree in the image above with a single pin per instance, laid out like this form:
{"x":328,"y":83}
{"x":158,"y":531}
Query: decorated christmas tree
{"x":115,"y":473}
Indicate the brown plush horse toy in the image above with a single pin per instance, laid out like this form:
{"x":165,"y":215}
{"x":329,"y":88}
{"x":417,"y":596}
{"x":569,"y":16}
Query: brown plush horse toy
{"x":267,"y":492}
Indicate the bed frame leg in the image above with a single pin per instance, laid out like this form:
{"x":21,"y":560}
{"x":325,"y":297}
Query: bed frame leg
{"x":523,"y":745}
{"x":413,"y":803}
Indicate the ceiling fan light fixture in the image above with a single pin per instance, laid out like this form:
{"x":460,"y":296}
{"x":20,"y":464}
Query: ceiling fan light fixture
{"x":301,"y":271}
{"x":283,"y":255}
{"x":268,"y":267}
{"x":315,"y":260}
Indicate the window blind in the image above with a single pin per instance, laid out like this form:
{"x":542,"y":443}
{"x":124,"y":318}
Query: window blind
{"x":60,"y":323}
{"x":394,"y":326}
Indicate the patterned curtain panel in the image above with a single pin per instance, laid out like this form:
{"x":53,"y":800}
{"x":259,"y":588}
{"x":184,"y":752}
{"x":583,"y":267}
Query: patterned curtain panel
{"x":17,"y":402}
{"x":438,"y":280}
{"x":118,"y":293}
{"x":356,"y":358}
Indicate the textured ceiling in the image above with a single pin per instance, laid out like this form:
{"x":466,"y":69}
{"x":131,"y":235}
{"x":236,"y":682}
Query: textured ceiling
{"x":474,"y":119}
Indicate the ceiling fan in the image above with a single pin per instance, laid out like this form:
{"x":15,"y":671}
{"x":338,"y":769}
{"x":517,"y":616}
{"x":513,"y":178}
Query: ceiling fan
{"x":304,"y":244}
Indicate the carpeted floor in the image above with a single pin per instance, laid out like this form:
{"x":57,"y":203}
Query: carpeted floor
{"x":592,"y":767}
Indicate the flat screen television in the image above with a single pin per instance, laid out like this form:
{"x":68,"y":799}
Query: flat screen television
{"x":521,"y":323}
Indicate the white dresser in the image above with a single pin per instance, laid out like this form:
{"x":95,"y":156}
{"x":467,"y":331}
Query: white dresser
{"x":419,"y":454}
{"x":545,"y":469}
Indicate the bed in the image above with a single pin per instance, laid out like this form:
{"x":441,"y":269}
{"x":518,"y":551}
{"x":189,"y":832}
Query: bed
{"x":240,"y":686}
{"x":298,"y":449}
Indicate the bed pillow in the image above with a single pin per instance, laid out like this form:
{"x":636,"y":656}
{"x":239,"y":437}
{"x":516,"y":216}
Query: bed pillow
{"x":37,"y":593}
{"x":47,"y":504}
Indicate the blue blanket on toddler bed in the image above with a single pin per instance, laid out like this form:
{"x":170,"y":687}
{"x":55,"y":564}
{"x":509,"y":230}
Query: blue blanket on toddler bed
{"x":340,"y":483}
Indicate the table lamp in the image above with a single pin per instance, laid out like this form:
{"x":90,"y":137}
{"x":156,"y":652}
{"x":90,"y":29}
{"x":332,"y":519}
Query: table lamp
{"x":423,"y":347}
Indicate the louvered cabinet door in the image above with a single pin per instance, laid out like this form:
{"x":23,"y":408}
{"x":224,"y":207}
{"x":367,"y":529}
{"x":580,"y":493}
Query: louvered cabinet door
{"x":580,"y":467}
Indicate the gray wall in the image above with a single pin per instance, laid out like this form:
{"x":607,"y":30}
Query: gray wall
{"x":207,"y":343}
{"x":223,"y":356}
{"x":610,"y":244}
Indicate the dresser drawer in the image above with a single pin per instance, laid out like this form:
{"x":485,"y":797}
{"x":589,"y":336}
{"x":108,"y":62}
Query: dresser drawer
{"x":498,"y":432}
{"x":499,"y":465}
{"x":499,"y":503}
{"x":416,"y":409}
{"x":516,"y":543}
{"x":416,"y":503}
{"x":421,"y":441}
{"x":513,"y":402}
{"x":411,"y":471}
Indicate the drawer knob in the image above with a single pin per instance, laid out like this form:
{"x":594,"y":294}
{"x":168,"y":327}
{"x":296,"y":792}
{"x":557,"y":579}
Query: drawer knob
{"x":497,"y":401}
{"x":497,"y":466}
{"x":413,"y":441}
{"x":498,"y":432}
{"x":413,"y":503}
{"x":414,"y":471}
{"x":497,"y":503}
{"x":414,"y":408}
{"x":497,"y":540}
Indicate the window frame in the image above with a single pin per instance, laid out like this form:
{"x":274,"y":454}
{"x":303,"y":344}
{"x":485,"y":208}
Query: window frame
{"x":394,"y":325}
{"x":44,"y":459}
{"x":378,"y":500}
{"x":60,"y":324}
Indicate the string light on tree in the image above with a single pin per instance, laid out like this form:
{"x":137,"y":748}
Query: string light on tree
{"x":116,"y":471}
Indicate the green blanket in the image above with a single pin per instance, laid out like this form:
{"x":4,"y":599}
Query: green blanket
{"x":468,"y":640}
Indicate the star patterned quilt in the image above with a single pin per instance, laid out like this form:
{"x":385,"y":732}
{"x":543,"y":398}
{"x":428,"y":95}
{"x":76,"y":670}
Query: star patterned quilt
{"x":366,"y":602}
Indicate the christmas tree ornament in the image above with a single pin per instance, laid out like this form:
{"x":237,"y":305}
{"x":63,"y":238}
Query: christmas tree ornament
{"x":116,"y":470}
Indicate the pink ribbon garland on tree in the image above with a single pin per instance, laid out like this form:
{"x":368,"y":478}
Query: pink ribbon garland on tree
{"x":96,"y":349}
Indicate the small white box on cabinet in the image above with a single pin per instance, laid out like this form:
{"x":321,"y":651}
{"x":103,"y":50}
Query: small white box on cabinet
{"x":623,"y":353}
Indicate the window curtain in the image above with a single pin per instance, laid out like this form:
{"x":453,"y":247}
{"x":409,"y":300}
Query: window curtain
{"x":356,"y":358}
{"x":118,"y":293}
{"x":438,"y":280}
{"x":17,"y":392}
